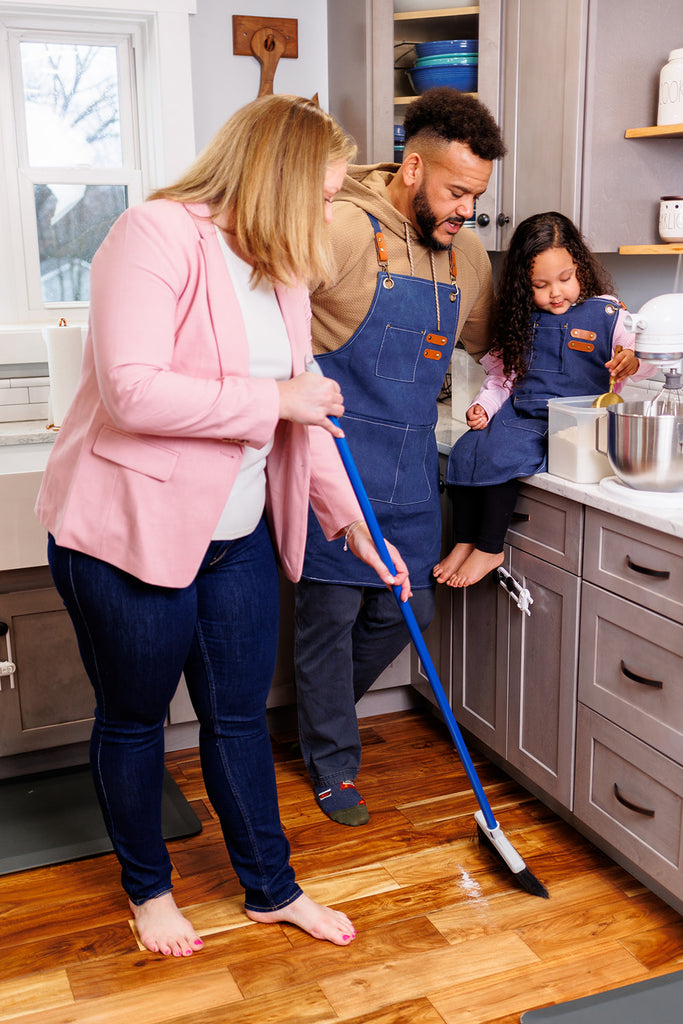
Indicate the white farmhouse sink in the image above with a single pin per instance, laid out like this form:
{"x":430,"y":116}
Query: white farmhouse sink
{"x":23,"y":540}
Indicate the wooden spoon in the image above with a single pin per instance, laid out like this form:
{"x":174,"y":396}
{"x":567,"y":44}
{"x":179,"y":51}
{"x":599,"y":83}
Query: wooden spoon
{"x":609,"y":398}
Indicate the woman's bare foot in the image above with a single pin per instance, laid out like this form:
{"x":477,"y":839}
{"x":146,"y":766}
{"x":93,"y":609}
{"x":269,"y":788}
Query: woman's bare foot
{"x":319,"y":921}
{"x":163,"y":929}
{"x":443,"y":571}
{"x":474,"y":568}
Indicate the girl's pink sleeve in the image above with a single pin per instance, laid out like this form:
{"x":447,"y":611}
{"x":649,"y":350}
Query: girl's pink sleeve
{"x":496,"y":387}
{"x":626,"y":340}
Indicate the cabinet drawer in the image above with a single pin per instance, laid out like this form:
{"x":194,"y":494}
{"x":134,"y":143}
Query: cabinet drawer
{"x":630,"y":795}
{"x":631,"y":668}
{"x":548,"y":526}
{"x":635,"y":562}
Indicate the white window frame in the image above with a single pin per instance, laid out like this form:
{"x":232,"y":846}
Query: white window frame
{"x":160,"y":76}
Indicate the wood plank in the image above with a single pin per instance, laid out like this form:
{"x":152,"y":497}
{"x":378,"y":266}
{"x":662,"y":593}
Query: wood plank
{"x":660,"y":131}
{"x":352,"y":991}
{"x":42,"y":991}
{"x":406,"y":939}
{"x":187,"y":994}
{"x":536,"y":984}
{"x":665,"y":249}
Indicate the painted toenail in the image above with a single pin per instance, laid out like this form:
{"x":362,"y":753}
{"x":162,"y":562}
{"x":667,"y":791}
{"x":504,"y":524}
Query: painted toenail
{"x":198,"y":942}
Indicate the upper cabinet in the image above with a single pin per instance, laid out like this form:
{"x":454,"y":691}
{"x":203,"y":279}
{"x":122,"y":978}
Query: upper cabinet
{"x":564,"y":78}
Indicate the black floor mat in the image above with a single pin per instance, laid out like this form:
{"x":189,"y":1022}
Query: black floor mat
{"x":54,"y":817}
{"x":655,"y":1001}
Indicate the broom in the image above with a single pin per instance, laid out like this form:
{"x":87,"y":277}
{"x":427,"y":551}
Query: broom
{"x":489,"y":831}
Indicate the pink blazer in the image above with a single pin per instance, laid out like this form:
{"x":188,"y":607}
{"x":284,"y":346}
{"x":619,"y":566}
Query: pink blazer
{"x":141,"y":468}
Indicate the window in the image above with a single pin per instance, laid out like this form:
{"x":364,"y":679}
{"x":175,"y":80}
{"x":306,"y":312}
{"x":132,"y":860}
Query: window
{"x":93,"y":119}
{"x":78,"y":158}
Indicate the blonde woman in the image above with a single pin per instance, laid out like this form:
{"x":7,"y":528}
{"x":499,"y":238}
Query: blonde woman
{"x":182,"y":471}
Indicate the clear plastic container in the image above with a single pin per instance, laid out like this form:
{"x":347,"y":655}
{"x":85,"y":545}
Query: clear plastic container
{"x":574,"y":430}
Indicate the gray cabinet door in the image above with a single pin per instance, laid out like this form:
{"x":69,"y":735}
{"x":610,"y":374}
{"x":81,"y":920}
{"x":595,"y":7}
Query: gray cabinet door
{"x":542,"y":676}
{"x":49,"y":701}
{"x":480,"y":661}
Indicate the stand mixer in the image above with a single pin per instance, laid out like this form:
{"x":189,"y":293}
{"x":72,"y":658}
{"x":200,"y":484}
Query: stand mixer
{"x":658,"y":327}
{"x":645,"y":438}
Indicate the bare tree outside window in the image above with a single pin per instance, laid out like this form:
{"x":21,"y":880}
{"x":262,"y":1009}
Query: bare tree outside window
{"x":72,"y":117}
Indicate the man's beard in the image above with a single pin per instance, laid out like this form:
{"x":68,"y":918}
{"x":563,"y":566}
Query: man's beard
{"x":426,"y":222}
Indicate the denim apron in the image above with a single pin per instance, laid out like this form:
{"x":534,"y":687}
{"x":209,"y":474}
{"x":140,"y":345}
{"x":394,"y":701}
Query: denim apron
{"x":569,"y":353}
{"x":390,"y":372}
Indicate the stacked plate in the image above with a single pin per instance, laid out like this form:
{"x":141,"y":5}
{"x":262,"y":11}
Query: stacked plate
{"x":451,"y":62}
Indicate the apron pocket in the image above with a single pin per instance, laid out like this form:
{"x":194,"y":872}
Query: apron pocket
{"x":394,"y":460}
{"x":399,"y":353}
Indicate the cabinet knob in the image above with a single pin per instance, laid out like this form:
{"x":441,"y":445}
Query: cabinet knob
{"x":502,"y":220}
{"x":483,"y":220}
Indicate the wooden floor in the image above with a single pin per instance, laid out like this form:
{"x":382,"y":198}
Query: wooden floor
{"x":443,"y":934}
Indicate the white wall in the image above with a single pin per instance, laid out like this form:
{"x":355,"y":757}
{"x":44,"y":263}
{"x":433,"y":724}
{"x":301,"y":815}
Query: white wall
{"x":223,"y":82}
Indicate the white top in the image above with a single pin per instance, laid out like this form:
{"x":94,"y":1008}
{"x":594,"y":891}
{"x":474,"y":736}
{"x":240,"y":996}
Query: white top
{"x":270,"y":355}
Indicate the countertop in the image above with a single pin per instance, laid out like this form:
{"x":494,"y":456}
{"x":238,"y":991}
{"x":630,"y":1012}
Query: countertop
{"x":25,"y":447}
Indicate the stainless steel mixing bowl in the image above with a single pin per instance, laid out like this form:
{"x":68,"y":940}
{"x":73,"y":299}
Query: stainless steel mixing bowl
{"x":645,"y":451}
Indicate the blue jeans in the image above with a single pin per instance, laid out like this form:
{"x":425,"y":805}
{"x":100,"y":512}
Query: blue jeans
{"x":135,"y":640}
{"x":345,"y":636}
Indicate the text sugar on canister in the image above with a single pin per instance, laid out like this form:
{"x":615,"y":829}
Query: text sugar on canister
{"x":670,"y":109}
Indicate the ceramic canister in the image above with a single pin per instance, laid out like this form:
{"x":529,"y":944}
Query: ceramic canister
{"x":671,"y":218}
{"x":670,"y":110}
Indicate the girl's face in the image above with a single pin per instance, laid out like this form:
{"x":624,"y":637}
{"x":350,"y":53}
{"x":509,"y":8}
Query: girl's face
{"x":554,"y":282}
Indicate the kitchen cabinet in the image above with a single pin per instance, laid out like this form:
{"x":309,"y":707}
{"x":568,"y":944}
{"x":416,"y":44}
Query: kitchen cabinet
{"x":629,"y":768}
{"x":514,"y":680}
{"x":47,"y":701}
{"x":438,"y":636}
{"x":563,"y":78}
{"x":582,"y":701}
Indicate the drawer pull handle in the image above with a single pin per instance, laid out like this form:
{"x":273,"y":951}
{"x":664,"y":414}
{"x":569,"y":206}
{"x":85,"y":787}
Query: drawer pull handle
{"x":660,"y":574}
{"x":657,"y":684}
{"x":521,"y":517}
{"x":632,"y":807}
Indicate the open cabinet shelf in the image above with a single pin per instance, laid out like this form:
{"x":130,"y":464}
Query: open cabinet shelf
{"x":660,"y":131}
{"x":421,"y":26}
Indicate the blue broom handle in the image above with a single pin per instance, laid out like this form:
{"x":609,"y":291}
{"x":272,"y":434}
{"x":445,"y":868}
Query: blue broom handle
{"x":413,"y":626}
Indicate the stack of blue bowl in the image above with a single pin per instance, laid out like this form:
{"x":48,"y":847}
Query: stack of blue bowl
{"x":451,"y":62}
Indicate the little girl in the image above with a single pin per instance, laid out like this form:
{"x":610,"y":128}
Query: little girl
{"x":558,"y":332}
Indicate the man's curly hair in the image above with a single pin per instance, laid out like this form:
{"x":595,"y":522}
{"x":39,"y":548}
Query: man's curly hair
{"x":446,"y":115}
{"x":512,"y":332}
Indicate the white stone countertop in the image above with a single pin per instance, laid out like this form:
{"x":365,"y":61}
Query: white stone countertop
{"x":27,"y":432}
{"x":660,"y":511}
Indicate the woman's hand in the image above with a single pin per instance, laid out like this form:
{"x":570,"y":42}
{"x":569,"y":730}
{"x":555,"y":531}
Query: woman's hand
{"x":623,"y":364}
{"x":361,"y":543}
{"x":310,"y":398}
{"x":476,"y":417}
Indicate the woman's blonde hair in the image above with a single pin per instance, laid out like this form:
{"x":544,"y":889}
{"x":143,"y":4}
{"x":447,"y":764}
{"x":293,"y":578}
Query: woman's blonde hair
{"x":265,"y":169}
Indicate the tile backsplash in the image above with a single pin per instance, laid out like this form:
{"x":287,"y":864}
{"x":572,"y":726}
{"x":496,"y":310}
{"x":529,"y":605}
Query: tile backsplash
{"x":24,"y":392}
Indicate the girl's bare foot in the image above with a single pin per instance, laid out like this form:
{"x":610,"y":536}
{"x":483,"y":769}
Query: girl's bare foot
{"x":444,"y":570}
{"x":319,"y":921}
{"x":474,"y":568}
{"x":163,"y":929}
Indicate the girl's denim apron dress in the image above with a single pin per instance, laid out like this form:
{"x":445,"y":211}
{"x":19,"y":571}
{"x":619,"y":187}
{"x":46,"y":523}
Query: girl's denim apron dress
{"x":569,"y":353}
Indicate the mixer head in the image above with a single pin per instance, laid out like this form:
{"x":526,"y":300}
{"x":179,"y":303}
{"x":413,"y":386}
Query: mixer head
{"x":658,"y":327}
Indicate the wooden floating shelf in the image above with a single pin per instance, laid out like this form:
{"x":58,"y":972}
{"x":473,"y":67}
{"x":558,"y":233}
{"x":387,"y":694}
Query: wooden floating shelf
{"x":665,"y":249}
{"x":402,"y":101}
{"x":660,"y":131}
{"x":443,"y":12}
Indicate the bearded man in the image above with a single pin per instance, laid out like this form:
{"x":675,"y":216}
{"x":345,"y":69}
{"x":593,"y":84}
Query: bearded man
{"x":412,"y":281}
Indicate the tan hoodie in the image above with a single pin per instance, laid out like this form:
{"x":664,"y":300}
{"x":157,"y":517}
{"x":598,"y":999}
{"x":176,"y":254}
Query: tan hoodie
{"x":339,"y":309}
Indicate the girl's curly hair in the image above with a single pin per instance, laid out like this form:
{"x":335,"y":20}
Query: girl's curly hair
{"x":513,"y":336}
